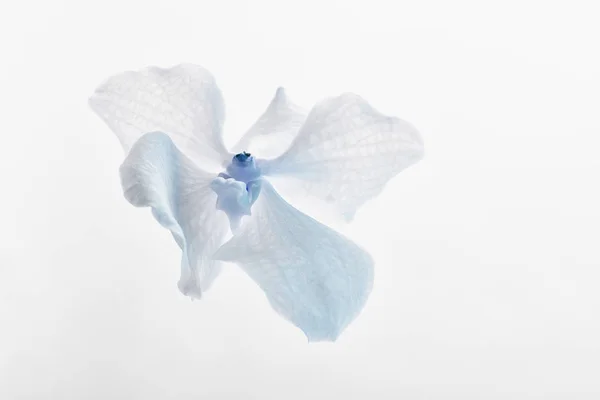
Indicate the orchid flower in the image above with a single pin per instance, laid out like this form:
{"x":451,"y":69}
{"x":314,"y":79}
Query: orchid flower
{"x":169,"y":122}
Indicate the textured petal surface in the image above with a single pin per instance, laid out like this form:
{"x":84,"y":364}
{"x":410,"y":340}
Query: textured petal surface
{"x":156,"y":174}
{"x":347,"y":151}
{"x":183,"y":101}
{"x":311,"y":275}
{"x":273,"y":132}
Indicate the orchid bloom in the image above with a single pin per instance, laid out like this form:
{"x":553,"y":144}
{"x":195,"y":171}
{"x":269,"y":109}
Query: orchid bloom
{"x":169,"y":122}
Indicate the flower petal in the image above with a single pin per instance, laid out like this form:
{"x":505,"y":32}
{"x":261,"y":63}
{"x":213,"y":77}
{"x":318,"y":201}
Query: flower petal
{"x":273,"y":132}
{"x":156,"y":174}
{"x":183,"y":101}
{"x":311,"y":275}
{"x":347,"y":151}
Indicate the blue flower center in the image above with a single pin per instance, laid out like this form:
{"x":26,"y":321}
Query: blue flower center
{"x":242,"y":157}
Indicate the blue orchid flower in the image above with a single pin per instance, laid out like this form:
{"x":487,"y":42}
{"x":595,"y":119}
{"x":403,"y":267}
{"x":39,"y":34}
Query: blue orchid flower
{"x":170,"y":122}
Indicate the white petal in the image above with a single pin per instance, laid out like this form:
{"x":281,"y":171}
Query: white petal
{"x":347,"y":151}
{"x":273,"y":132}
{"x":156,"y":174}
{"x":311,"y":275}
{"x":183,"y":101}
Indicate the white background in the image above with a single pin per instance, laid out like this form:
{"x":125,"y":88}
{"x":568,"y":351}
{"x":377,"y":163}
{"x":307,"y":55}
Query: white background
{"x":487,"y":276}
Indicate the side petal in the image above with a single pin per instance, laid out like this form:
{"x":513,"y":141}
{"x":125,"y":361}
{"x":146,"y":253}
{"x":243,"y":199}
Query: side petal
{"x":273,"y":132}
{"x":183,"y":101}
{"x":347,"y":151}
{"x":312,"y":276}
{"x":156,"y":174}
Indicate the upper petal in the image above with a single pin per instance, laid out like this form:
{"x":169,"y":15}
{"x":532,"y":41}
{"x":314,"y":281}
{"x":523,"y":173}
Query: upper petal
{"x":347,"y":151}
{"x":183,"y":101}
{"x":273,"y":132}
